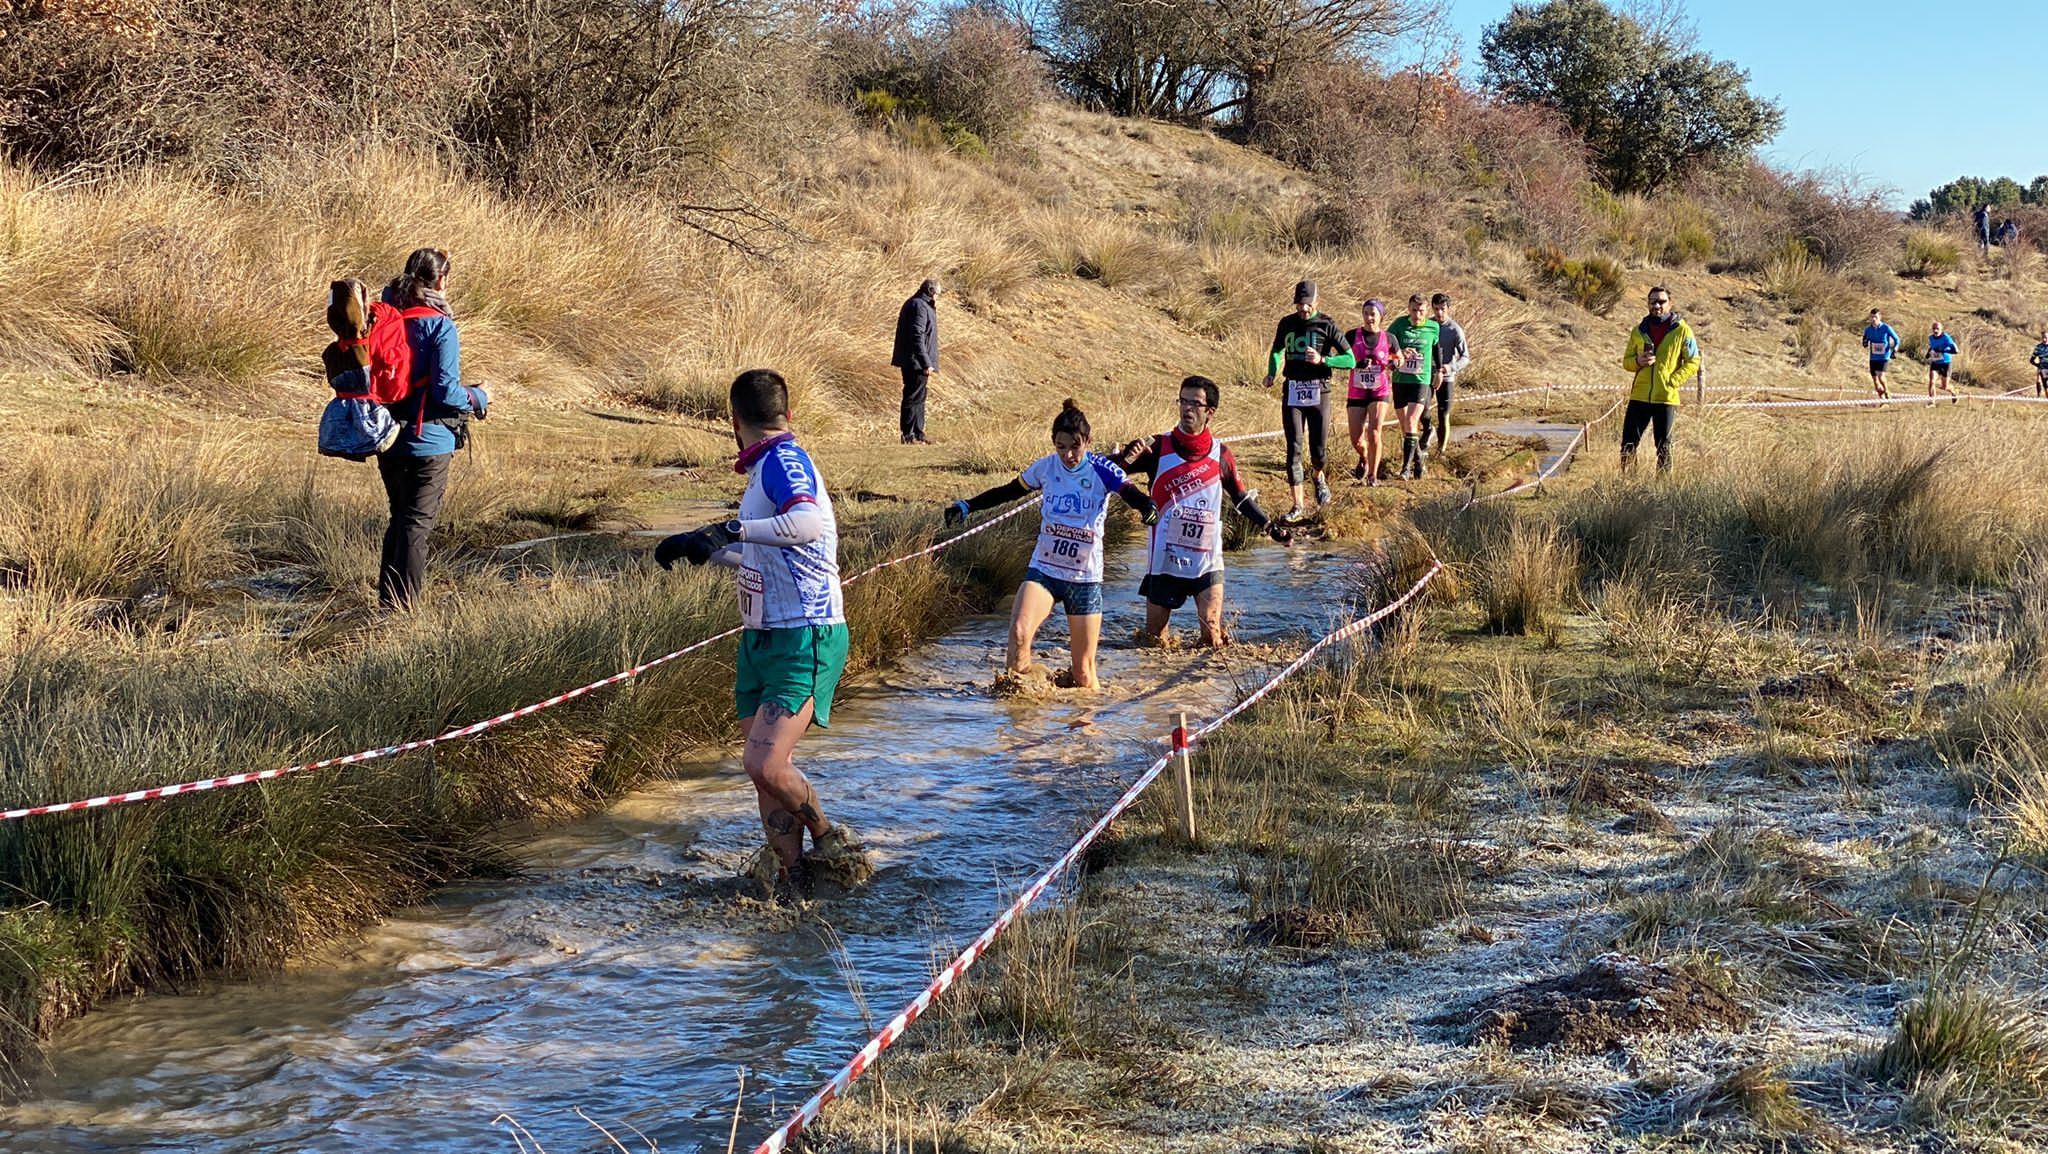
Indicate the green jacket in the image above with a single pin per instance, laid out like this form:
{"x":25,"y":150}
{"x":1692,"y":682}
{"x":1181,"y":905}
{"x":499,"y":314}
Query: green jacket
{"x":1678,"y":361}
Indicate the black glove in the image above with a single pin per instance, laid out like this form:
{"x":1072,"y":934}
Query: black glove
{"x":696,"y":546}
{"x":1280,"y":532}
{"x":956,"y":514}
{"x":1148,"y":510}
{"x":479,"y":402}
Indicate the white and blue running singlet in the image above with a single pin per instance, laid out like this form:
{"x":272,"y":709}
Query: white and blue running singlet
{"x":796,"y":586}
{"x":1071,"y":508}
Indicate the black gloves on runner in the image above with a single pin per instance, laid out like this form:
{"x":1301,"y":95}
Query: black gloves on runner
{"x":1280,"y":532}
{"x":697,"y":546}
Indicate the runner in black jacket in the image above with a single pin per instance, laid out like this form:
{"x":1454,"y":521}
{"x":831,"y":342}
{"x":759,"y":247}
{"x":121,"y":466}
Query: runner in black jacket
{"x":1306,"y":346}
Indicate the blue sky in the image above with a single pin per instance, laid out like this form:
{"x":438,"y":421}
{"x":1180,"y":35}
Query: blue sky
{"x":1890,"y":91}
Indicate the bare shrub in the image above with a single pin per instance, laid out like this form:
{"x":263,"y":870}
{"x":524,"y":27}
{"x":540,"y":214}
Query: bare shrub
{"x":562,"y":95}
{"x":981,"y":76}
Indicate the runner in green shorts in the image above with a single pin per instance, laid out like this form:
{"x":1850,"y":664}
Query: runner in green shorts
{"x":785,"y":546}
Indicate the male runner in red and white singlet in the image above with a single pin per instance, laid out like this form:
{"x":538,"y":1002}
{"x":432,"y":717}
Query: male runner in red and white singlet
{"x":1193,"y":475}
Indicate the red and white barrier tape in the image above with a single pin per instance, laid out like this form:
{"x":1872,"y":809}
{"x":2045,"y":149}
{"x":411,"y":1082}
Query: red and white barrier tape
{"x":474,"y":728}
{"x":888,"y":1034}
{"x":1550,"y":470}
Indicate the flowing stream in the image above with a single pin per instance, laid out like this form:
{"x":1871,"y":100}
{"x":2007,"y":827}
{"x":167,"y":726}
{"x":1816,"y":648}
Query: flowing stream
{"x":620,"y":973}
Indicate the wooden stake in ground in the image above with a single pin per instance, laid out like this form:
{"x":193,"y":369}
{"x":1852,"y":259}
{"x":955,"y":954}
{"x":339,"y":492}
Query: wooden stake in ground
{"x":1184,"y":774}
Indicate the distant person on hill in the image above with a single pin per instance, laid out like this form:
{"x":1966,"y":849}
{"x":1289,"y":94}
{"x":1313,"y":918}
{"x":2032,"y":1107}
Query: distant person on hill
{"x":1941,"y":356}
{"x":1452,"y":355}
{"x":1982,"y":218}
{"x":2008,"y":233}
{"x":1306,"y":346}
{"x":917,"y":355}
{"x":433,"y":423}
{"x":1194,"y":477}
{"x":1881,"y":341}
{"x":1415,"y":337}
{"x":1074,"y":487}
{"x":784,"y":543}
{"x":2040,"y":362}
{"x":1663,"y":354}
{"x":1370,"y":389}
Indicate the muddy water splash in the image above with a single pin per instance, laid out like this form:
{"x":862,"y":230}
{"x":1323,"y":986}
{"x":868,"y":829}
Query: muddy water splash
{"x":621,"y":973}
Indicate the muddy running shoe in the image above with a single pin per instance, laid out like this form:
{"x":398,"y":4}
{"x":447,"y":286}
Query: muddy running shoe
{"x":1322,"y":490}
{"x":1292,"y":516}
{"x":840,"y":855}
{"x":1358,"y":470}
{"x":791,"y":885}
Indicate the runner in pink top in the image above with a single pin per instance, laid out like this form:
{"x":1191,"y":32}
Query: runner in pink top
{"x":1365,"y":402}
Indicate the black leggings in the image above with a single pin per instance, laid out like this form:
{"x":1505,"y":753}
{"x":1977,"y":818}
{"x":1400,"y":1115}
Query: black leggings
{"x":1443,"y":415}
{"x":1299,"y":420}
{"x":1642,"y":415}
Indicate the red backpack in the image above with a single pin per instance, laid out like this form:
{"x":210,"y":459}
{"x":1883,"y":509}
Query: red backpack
{"x":390,"y":354}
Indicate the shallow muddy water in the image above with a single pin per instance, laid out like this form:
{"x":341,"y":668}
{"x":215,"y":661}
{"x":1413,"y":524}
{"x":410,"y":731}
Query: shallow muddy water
{"x":622,"y":973}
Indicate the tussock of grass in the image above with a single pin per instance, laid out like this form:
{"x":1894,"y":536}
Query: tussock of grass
{"x":1967,"y":1055}
{"x":1930,"y":253}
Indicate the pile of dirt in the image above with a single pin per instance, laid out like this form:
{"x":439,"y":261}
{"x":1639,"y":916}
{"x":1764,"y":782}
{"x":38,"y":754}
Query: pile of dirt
{"x":1819,"y":686}
{"x":1614,"y":998}
{"x":1298,"y":928}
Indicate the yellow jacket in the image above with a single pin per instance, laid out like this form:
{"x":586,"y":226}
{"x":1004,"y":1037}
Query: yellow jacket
{"x":1678,"y":361}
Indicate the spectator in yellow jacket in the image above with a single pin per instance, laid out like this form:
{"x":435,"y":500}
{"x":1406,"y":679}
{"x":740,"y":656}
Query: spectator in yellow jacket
{"x":1663,"y":354}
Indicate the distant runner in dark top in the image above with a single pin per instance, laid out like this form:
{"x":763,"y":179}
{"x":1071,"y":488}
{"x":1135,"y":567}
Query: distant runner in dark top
{"x":1306,"y":346}
{"x":2040,"y":362}
{"x":1982,"y":218}
{"x":1193,"y":477}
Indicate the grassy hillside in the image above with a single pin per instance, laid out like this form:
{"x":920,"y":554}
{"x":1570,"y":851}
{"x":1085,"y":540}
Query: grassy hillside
{"x":187,"y":584}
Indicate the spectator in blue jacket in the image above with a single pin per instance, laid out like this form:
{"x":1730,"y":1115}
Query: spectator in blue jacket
{"x":917,"y":354}
{"x":433,"y":422}
{"x":1941,"y":355}
{"x":1881,"y":341}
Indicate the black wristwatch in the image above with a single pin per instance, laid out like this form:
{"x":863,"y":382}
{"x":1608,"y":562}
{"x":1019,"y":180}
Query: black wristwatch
{"x":732,"y":529}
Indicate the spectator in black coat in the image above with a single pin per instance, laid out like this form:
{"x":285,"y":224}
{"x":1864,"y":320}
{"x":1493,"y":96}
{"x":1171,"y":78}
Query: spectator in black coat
{"x":917,"y":354}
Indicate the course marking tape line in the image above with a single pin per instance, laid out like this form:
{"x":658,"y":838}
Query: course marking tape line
{"x":161,"y":791}
{"x":837,"y":1085}
{"x":1855,"y":402}
{"x":1550,"y":470}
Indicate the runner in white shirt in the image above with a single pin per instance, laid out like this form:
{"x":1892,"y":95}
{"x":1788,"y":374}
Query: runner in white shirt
{"x":1066,"y":564}
{"x":785,"y":545}
{"x":1193,"y":478}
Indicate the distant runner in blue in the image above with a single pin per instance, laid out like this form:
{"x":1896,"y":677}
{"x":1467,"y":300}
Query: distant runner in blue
{"x":2040,"y":362}
{"x":1881,"y":341}
{"x":1941,"y":355}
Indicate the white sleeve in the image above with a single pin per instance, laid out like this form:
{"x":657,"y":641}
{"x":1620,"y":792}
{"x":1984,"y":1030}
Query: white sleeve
{"x":728,"y":557}
{"x":1034,"y":474}
{"x":803,"y":524}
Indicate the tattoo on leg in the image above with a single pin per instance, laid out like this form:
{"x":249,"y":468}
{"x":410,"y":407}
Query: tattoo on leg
{"x":780,"y":822}
{"x":773,"y":711}
{"x":809,"y":813}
